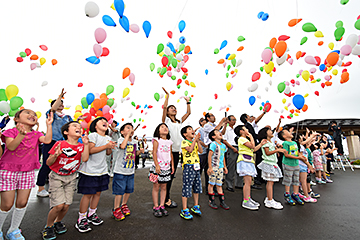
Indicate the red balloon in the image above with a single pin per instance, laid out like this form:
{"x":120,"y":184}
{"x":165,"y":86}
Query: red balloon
{"x":27,"y":51}
{"x":164,"y":61}
{"x":303,"y":54}
{"x":316,"y":93}
{"x":283,"y":38}
{"x":105,"y":52}
{"x":137,"y":107}
{"x":107,"y":116}
{"x":292,"y":81}
{"x":80,"y":85}
{"x":267,"y":107}
{"x":274,"y":70}
{"x":43,"y":47}
{"x":282,"y":116}
{"x":88,"y":117}
{"x":344,"y":70}
{"x":19,"y":59}
{"x":318,"y":60}
{"x":150,"y":106}
{"x":347,"y":64}
{"x":256,"y":76}
{"x":186,"y":58}
{"x":322,"y":85}
{"x":288,"y":117}
{"x":185,"y":70}
{"x":179,"y":81}
{"x":142,"y":111}
{"x":216,"y":96}
{"x":143,"y":127}
{"x":169,"y":33}
{"x":92,"y":111}
{"x":169,"y":68}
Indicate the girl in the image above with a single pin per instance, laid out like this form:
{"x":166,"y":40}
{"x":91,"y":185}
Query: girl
{"x":317,"y":162}
{"x":246,"y":164}
{"x":323,"y":153}
{"x":270,"y":169}
{"x":93,"y":174}
{"x":174,"y":125}
{"x":163,"y":159}
{"x":17,"y":165}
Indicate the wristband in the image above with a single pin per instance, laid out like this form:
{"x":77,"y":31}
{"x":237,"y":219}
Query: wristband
{"x":188,"y":103}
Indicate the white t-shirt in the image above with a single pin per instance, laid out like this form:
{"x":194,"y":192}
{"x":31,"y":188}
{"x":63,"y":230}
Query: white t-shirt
{"x":114,"y":135}
{"x":96,"y":165}
{"x":125,"y":162}
{"x":175,"y":135}
{"x":208,"y":127}
{"x":230,"y":136}
{"x":255,"y":126}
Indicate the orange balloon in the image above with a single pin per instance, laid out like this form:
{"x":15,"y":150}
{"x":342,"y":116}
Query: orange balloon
{"x":103,"y":96}
{"x":99,"y":113}
{"x":97,"y":104}
{"x":21,"y":108}
{"x":34,"y":57}
{"x":227,"y":109}
{"x":345,"y":76}
{"x":232,"y":72}
{"x":320,"y":43}
{"x":240,"y":48}
{"x":298,"y":111}
{"x":192,"y":96}
{"x":221,"y":61}
{"x":122,"y":119}
{"x":89,"y":123}
{"x":280,"y":48}
{"x":332,"y":58}
{"x":298,"y":55}
{"x":305,"y":108}
{"x":328,"y":83}
{"x":292,"y":111}
{"x":187,"y":82}
{"x":187,"y":49}
{"x":126,"y":72}
{"x":312,"y":77}
{"x":293,"y":22}
{"x":103,"y":102}
{"x":273,"y":42}
{"x":186,"y":74}
{"x":54,"y":62}
{"x":172,"y":92}
{"x":204,"y":113}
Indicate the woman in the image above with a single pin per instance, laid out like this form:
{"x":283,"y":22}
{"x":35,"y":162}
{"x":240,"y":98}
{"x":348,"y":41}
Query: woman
{"x":174,"y":125}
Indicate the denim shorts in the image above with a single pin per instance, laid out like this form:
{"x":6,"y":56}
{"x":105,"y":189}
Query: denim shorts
{"x":191,"y":181}
{"x":123,"y":184}
{"x":303,"y":168}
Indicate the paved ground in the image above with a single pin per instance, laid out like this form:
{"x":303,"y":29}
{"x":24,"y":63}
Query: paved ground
{"x":335,"y":216}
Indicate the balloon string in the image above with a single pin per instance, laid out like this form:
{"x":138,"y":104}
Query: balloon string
{"x":180,"y":15}
{"x":307,"y":83}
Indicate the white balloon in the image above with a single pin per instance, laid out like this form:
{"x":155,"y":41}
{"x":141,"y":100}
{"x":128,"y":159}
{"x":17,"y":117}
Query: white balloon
{"x":270,"y":82}
{"x":352,"y":40}
{"x":114,"y":105}
{"x":161,"y":96}
{"x":253,"y":87}
{"x":258,"y":96}
{"x":38,"y":65}
{"x":122,"y":100}
{"x":134,"y":28}
{"x":4,"y":107}
{"x":130,"y":115}
{"x":342,"y":57}
{"x":239,"y":62}
{"x":339,"y":63}
{"x":68,"y":106}
{"x":356,"y":50}
{"x":44,"y":83}
{"x":91,"y":9}
{"x":167,"y":51}
{"x":266,"y":89}
{"x":177,"y":45}
{"x":287,"y":90}
{"x":282,"y":110}
{"x":281,"y":60}
{"x":179,"y":57}
{"x":229,"y":106}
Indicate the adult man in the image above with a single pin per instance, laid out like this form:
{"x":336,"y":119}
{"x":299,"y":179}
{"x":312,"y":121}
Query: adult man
{"x":203,"y":155}
{"x":336,"y":129}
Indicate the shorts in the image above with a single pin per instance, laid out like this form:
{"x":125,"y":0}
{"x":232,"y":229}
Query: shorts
{"x":324,"y":167}
{"x":61,"y":189}
{"x":93,"y":184}
{"x":164,"y":176}
{"x":269,"y":176}
{"x":246,"y":169}
{"x":217,"y":177}
{"x":318,"y":166}
{"x":291,"y":175}
{"x":303,"y":168}
{"x":191,"y":180}
{"x":10,"y":180}
{"x":123,"y":184}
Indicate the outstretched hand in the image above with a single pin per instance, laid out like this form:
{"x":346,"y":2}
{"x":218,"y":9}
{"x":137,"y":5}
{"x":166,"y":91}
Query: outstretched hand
{"x":62,"y":93}
{"x":165,"y":91}
{"x":85,"y":139}
{"x":58,"y":150}
{"x":50,"y":118}
{"x":20,"y":127}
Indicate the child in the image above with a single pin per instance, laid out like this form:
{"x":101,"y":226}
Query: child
{"x":191,"y":171}
{"x":323,"y":161}
{"x":64,"y":160}
{"x":124,"y":171}
{"x":115,"y":135}
{"x":163,"y":159}
{"x":17,"y":165}
{"x":93,"y":174}
{"x":217,"y":168}
{"x":317,"y":162}
{"x":270,"y":169}
{"x":246,"y":164}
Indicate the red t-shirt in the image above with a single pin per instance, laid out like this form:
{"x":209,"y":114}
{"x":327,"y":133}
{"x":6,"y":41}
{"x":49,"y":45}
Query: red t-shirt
{"x":69,"y":160}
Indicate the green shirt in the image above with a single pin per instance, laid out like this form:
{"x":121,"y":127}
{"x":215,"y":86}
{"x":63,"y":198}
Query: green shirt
{"x":292,"y":149}
{"x":310,"y":156}
{"x":271,"y":159}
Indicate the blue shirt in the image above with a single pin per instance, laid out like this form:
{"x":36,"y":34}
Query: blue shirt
{"x":217,"y":159}
{"x":57,"y":124}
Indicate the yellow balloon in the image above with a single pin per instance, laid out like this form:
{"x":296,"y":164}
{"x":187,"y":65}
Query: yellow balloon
{"x":228,"y":86}
{"x":286,"y":108}
{"x":305,"y":75}
{"x":335,"y":72}
{"x":232,"y":56}
{"x":192,"y":85}
{"x":329,"y":69}
{"x":42,"y":61}
{"x":78,"y":108}
{"x":11,"y":91}
{"x":319,"y":34}
{"x":284,"y":101}
{"x":236,"y":70}
{"x":112,"y":6}
{"x":66,"y":108}
{"x":126,"y":92}
{"x":50,"y":100}
{"x":296,"y":114}
{"x":313,"y":81}
{"x":269,"y":67}
{"x":161,"y":54}
{"x":77,"y":114}
{"x":331,"y":46}
{"x":271,"y":74}
{"x":142,"y":120}
{"x":306,"y":95}
{"x":178,"y":100}
{"x":38,"y":114}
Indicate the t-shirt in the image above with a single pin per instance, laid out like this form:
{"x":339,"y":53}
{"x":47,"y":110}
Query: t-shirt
{"x":189,"y":157}
{"x":114,"y":135}
{"x":175,"y":136}
{"x":57,"y":124}
{"x":244,"y":150}
{"x":202,"y":138}
{"x":271,"y":159}
{"x":316,"y":154}
{"x":68,"y":162}
{"x":305,"y":153}
{"x":217,"y":159}
{"x":292,"y":149}
{"x":26,"y":156}
{"x":163,"y":153}
{"x":208,"y":127}
{"x":230,"y":136}
{"x":125,"y":163}
{"x":310,"y":156}
{"x":96,"y":165}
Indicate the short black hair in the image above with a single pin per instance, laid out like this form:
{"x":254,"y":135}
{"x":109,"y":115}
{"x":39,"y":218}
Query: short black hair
{"x":201,"y":119}
{"x":53,"y":101}
{"x":65,"y":128}
{"x":115,"y":122}
{"x":281,"y":135}
{"x":237,"y":132}
{"x":93,"y":125}
{"x":312,"y":147}
{"x":243,"y":118}
{"x":212,"y":134}
{"x":123,"y":127}
{"x":183,"y":130}
{"x":263,"y":133}
{"x":207,"y":115}
{"x":229,"y":117}
{"x":157,"y":131}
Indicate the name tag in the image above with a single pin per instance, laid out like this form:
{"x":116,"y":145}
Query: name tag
{"x":196,"y":166}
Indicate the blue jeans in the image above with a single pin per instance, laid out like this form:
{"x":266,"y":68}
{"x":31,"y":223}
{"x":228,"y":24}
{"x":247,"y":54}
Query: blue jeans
{"x":44,"y":170}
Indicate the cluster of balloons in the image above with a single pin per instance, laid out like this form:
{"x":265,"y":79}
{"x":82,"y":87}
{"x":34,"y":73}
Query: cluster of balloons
{"x":263,"y":16}
{"x":10,"y":103}
{"x":99,"y":51}
{"x":35,"y":57}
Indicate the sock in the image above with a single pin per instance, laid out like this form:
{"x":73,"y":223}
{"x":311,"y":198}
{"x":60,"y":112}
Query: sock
{"x":92,"y":211}
{"x":246,"y":200}
{"x":287,"y":193}
{"x":81,"y":216}
{"x":249,"y":197}
{"x":17,"y":217}
{"x":3,"y":216}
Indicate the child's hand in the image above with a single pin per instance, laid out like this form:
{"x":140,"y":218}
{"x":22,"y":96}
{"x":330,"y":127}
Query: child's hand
{"x":130,"y":132}
{"x":157,"y":169}
{"x":166,"y":92}
{"x":110,"y":145}
{"x":282,"y":150}
{"x":210,"y":171}
{"x":187,"y":99}
{"x":20,"y":127}
{"x":58,"y":150}
{"x":263,"y":142}
{"x":85,"y":139}
{"x":197,"y":137}
{"x":312,"y":169}
{"x":226,"y":170}
{"x":50,"y":118}
{"x":62,"y":93}
{"x":172,"y":170}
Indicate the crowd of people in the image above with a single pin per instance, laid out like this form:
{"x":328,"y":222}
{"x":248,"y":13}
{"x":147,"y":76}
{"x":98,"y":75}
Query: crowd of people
{"x":239,"y":156}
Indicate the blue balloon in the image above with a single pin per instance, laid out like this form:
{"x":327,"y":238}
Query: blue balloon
{"x":322,"y":67}
{"x":227,"y":56}
{"x":171,"y":46}
{"x":260,"y":14}
{"x":190,"y":52}
{"x":124,"y":22}
{"x":147,"y":28}
{"x":265,"y":16}
{"x":145,"y":106}
{"x":267,"y":101}
{"x":223,"y":44}
{"x":252,"y":100}
{"x":298,"y":101}
{"x":262,"y":104}
{"x":90,"y":97}
{"x":108,"y":21}
{"x":93,"y":60}
{"x":119,"y":6}
{"x":182,"y":40}
{"x":337,"y":51}
{"x":206,"y":71}
{"x":182,"y":25}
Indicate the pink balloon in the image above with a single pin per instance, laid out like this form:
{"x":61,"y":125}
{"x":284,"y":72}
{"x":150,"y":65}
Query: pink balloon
{"x":97,"y":50}
{"x":100,"y":35}
{"x":288,"y":104}
{"x":300,"y":72}
{"x":327,"y":78}
{"x":186,"y":58}
{"x":234,"y":75}
{"x":297,"y":83}
{"x":32,"y":66}
{"x":97,"y":95}
{"x":276,"y":111}
{"x":287,"y":83}
{"x":128,"y":98}
{"x":169,"y":73}
{"x":224,"y":64}
{"x":32,"y":99}
{"x":266,"y":55}
{"x":134,"y":28}
{"x":178,"y":69}
{"x":84,"y":124}
{"x":291,"y":61}
{"x":111,"y":121}
{"x":105,"y":109}
{"x":310,"y":60}
{"x":346,"y":50}
{"x":132,"y":78}
{"x":145,"y":113}
{"x":358,"y":41}
{"x":312,"y":70}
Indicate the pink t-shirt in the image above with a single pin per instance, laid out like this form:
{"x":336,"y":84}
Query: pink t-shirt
{"x":163,"y":153}
{"x":26,"y":156}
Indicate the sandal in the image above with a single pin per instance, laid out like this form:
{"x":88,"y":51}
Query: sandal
{"x":171,"y":205}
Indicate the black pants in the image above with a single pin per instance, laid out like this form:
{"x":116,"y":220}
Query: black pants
{"x":338,"y":145}
{"x":258,"y":159}
{"x":44,"y":170}
{"x":137,"y":160}
{"x":168,"y":186}
{"x":204,"y":165}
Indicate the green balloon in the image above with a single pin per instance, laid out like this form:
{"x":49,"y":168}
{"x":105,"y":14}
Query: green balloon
{"x":261,"y":69}
{"x":163,"y":71}
{"x":260,"y":108}
{"x":233,"y":62}
{"x":209,"y":108}
{"x":3,"y":95}
{"x":170,"y":58}
{"x":339,"y":32}
{"x":158,"y":69}
{"x":291,"y":115}
{"x":109,"y":89}
{"x":132,"y":103}
{"x":190,"y":99}
{"x":303,"y":40}
{"x":178,"y":86}
{"x":139,"y":119}
{"x":309,"y":27}
{"x":110,"y":102}
{"x":339,"y":24}
{"x":241,"y":38}
{"x":297,"y":75}
{"x":16,"y":102}
{"x":343,"y":2}
{"x":186,"y":93}
{"x":227,"y":75}
{"x":184,"y":77}
{"x":13,"y":112}
{"x":270,"y":49}
{"x":173,"y":77}
{"x":281,"y":87}
{"x":22,"y":54}
{"x":174,"y":62}
{"x":216,"y":51}
{"x":160,"y":48}
{"x":228,"y":67}
{"x":152,"y":66}
{"x":357,"y":24}
{"x":134,"y":120}
{"x":181,"y":47}
{"x":318,"y":80}
{"x":84,"y":102}
{"x":157,"y":96}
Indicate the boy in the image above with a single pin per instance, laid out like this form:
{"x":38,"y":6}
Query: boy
{"x":217,"y":168}
{"x":64,"y":160}
{"x":191,"y":171}
{"x":291,"y":167}
{"x":124,"y":170}
{"x":115,"y":135}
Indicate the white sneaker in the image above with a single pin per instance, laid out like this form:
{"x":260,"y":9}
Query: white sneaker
{"x":312,"y":183}
{"x":266,"y":199}
{"x":273,"y":204}
{"x":43,"y":193}
{"x":254,"y":202}
{"x":329,"y":180}
{"x":249,"y":205}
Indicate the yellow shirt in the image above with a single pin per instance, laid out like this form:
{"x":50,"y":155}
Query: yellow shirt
{"x":244,"y":150}
{"x":189,"y":157}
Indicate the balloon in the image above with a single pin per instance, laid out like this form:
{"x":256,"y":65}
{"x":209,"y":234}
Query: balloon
{"x":240,"y":48}
{"x":303,"y":40}
{"x":54,"y":62}
{"x":34,"y":57}
{"x":310,"y":60}
{"x":318,"y":34}
{"x":100,"y":35}
{"x":126,"y":73}
{"x":97,"y":50}
{"x":126,"y":92}
{"x":267,"y":107}
{"x":42,"y":61}
{"x":317,"y":93}
{"x":206,"y":71}
{"x":124,"y":23}
{"x":108,"y":21}
{"x":260,"y":14}
{"x":241,"y":38}
{"x":27,"y":51}
{"x":351,"y":40}
{"x":84,"y":102}
{"x":91,"y":9}
{"x":269,"y":67}
{"x":157,"y":97}
{"x":109,"y":89}
{"x":19,"y":59}
{"x":357,"y":24}
{"x":32,"y":66}
{"x":164,"y":61}
{"x":43,"y":47}
{"x":339,"y":32}
{"x":346,"y":50}
{"x":344,"y":77}
{"x":3,"y":95}
{"x":216,"y":51}
{"x":182,"y":26}
{"x":134,"y":28}
{"x":105,"y":109}
{"x":93,"y":60}
{"x":160,"y":48}
{"x":293,"y":22}
{"x":11,"y":91}
{"x":280,"y":48}
{"x":119,"y":7}
{"x":22,"y":54}
{"x":252,"y":100}
{"x":256,"y":76}
{"x":265,"y":16}
{"x":4,"y":107}
{"x":182,"y":40}
{"x":283,"y":38}
{"x":281,"y":87}
{"x":187,"y":50}
{"x":239,"y":62}
{"x":298,"y":101}
{"x":223,"y":44}
{"x":309,"y":27}
{"x":332,"y":58}
{"x":170,"y":34}
{"x":253,"y":87}
{"x":305,"y":75}
{"x":147,"y":28}
{"x":266,"y":55}
{"x":16,"y":102}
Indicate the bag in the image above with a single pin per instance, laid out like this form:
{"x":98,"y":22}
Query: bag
{"x":153,"y":177}
{"x":247,"y":158}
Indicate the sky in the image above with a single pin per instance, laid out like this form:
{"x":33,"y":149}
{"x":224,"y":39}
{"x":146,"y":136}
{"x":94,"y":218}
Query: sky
{"x":69,"y":35}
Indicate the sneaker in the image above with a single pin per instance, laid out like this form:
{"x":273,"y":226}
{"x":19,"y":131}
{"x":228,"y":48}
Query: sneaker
{"x":60,"y":228}
{"x":297,"y":199}
{"x":314,"y":195}
{"x":94,"y":219}
{"x":157,"y":212}
{"x":254,"y":202}
{"x":310,"y":200}
{"x":273,"y":204}
{"x":15,"y":235}
{"x":328,"y":180}
{"x":117,"y":214}
{"x":312,"y":183}
{"x":320,"y":182}
{"x":196,"y":210}
{"x":249,"y":205}
{"x":288,"y":199}
{"x":301,"y":196}
{"x":48,"y":233}
{"x":43,"y":193}
{"x":185,"y":214}
{"x":164,"y":211}
{"x":83,"y":226}
{"x":125,"y":209}
{"x":266,"y":199}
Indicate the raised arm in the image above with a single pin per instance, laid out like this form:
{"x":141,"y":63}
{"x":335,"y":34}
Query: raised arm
{"x":57,"y":103}
{"x":165,"y":106}
{"x":277,"y":129}
{"x":188,"y":110}
{"x":48,"y":136}
{"x":259,"y":117}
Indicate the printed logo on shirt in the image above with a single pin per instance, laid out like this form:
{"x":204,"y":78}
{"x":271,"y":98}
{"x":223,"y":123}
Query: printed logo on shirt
{"x":164,"y":148}
{"x":293,"y":150}
{"x":69,"y":152}
{"x":130,"y":153}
